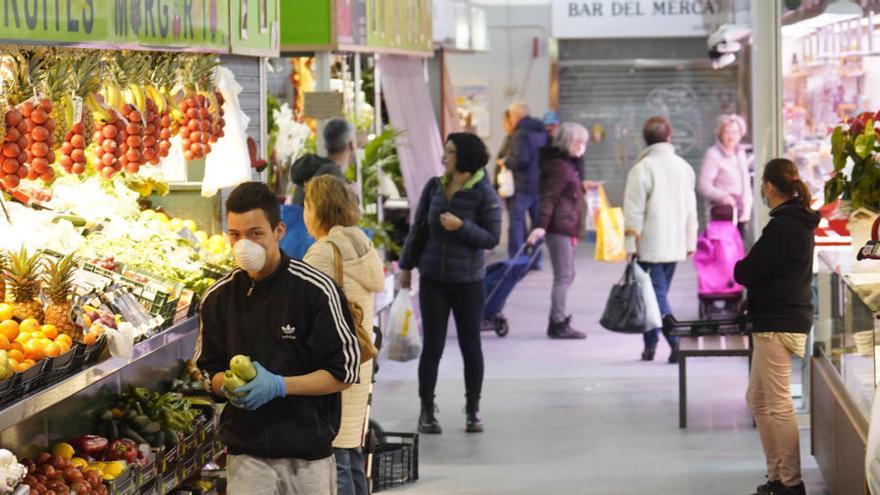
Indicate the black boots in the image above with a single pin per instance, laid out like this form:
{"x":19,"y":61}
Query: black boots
{"x":673,"y":354}
{"x":563,"y":330}
{"x":428,"y":420}
{"x":777,"y":488}
{"x":474,"y":423}
{"x":648,"y":354}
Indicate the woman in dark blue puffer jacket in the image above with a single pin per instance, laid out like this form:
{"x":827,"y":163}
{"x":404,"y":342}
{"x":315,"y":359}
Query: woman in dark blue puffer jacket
{"x":458,"y":217}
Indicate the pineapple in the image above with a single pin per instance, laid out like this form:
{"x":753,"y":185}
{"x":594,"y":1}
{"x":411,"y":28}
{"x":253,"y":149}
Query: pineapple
{"x":22,"y":277}
{"x":58,"y":283}
{"x":4,"y":263}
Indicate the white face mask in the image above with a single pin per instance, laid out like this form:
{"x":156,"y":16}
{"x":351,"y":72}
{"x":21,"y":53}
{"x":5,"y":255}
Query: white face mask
{"x":249,"y":255}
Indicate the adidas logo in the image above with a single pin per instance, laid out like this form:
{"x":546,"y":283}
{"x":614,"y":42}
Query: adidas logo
{"x":287,"y":332}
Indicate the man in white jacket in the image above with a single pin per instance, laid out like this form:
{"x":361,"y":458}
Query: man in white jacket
{"x":660,"y":214}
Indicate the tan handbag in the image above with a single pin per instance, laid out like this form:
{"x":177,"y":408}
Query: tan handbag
{"x":365,"y":340}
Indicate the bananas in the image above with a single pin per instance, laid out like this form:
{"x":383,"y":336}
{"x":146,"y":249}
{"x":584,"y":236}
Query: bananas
{"x":99,"y":112}
{"x":113,"y":96}
{"x":69,"y":109}
{"x":140,"y":100}
{"x":157,"y":97}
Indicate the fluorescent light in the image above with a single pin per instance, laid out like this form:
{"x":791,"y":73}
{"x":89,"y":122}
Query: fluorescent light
{"x":844,"y":7}
{"x":808,"y":26}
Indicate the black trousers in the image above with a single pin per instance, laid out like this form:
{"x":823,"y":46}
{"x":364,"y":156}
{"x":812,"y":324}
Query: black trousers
{"x":466,"y":302}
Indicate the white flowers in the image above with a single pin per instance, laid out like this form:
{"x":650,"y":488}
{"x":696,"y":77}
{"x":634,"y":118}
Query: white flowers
{"x":292,"y":136}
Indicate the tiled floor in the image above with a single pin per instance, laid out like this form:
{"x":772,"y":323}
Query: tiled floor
{"x":583,"y":417}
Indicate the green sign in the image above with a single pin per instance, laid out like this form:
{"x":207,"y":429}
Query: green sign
{"x":196,"y":25}
{"x":306,"y":25}
{"x":399,"y":25}
{"x":255,"y":27}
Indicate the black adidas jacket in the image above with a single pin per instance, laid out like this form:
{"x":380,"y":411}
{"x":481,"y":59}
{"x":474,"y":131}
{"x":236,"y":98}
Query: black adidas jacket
{"x":778,"y":272}
{"x":294,"y":322}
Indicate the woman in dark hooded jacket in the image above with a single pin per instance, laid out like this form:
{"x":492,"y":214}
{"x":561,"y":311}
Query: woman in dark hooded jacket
{"x":561,"y":218}
{"x":778,"y":274}
{"x":458,"y":217}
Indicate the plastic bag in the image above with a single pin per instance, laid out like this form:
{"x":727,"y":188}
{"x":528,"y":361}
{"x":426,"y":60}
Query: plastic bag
{"x":872,"y":457}
{"x":121,"y":341}
{"x":228,"y":164}
{"x":506,"y":187}
{"x":625,"y":309}
{"x":403,"y":340}
{"x":653,"y":318}
{"x":609,"y":231}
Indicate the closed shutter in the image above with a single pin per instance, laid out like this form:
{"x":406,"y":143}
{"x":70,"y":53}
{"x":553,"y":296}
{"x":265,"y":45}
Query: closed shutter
{"x":247,"y":73}
{"x":613,"y":101}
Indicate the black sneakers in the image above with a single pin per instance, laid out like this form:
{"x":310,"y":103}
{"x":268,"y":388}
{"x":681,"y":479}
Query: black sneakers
{"x":428,"y":421}
{"x":777,"y":488}
{"x":673,"y":354}
{"x":770,"y":488}
{"x":474,"y":424}
{"x":563,"y":330}
{"x":648,"y":354}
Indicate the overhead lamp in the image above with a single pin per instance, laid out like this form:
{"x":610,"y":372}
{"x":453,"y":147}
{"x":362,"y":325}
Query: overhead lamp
{"x":844,"y":7}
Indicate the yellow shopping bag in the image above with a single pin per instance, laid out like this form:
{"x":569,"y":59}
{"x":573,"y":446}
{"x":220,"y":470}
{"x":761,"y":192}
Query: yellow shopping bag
{"x":609,"y":231}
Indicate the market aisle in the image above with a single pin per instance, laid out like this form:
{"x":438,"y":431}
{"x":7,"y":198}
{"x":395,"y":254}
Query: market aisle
{"x":583,"y":417}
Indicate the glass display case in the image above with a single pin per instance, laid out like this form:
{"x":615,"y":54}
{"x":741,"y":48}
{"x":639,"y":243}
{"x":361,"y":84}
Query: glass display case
{"x":848,"y":330}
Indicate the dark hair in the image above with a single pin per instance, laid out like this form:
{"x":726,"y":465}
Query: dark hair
{"x":783,"y":174}
{"x":470,"y":152}
{"x":337,"y":134}
{"x":656,"y":130}
{"x":250,"y":196}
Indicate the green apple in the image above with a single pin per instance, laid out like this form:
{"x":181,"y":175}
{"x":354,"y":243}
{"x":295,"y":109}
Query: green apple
{"x":241,"y":366}
{"x":231,"y":381}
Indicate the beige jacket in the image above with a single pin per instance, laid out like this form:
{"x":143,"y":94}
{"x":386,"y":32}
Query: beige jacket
{"x":364,"y":277}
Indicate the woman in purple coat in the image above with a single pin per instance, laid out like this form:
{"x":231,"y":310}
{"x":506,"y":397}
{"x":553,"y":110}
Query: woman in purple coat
{"x":724,"y":176}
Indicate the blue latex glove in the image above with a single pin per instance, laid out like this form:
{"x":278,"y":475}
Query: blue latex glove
{"x":265,"y":387}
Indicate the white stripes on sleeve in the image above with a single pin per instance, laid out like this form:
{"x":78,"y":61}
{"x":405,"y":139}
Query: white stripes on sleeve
{"x":350,"y":347}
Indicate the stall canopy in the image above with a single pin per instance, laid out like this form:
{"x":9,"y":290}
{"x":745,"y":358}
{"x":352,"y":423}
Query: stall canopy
{"x":420,"y":148}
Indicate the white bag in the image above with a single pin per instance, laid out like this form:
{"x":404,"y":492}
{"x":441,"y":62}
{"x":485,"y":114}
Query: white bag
{"x":121,"y":341}
{"x":653,"y":318}
{"x":506,"y":187}
{"x":228,"y":164}
{"x":403,"y":342}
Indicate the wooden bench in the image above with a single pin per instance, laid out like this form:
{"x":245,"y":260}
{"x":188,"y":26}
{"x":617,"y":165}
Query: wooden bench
{"x":706,"y":346}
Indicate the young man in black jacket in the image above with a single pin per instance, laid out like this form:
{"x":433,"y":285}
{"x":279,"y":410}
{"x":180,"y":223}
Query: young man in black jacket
{"x":294,"y":322}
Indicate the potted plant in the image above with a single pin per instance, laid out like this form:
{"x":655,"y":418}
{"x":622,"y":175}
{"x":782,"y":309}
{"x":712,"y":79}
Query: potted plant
{"x":856,"y":178}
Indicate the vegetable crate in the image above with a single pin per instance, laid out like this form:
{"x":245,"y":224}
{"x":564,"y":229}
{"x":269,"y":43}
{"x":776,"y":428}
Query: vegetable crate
{"x":159,"y":296}
{"x":396,"y":461}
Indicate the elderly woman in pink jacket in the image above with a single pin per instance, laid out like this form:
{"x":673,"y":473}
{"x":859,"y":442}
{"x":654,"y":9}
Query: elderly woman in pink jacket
{"x":724,"y":177}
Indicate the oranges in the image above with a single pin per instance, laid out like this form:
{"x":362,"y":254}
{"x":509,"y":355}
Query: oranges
{"x":5,"y":311}
{"x":30,"y":325}
{"x":64,"y":342}
{"x":4,"y":343}
{"x":49,"y":331}
{"x":52,"y":350}
{"x":90,"y":338}
{"x":34,"y":350}
{"x":9,"y":328}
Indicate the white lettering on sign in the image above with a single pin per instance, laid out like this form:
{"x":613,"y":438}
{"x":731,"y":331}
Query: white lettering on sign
{"x":636,"y":18}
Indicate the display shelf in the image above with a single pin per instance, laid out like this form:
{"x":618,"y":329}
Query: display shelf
{"x":33,"y":404}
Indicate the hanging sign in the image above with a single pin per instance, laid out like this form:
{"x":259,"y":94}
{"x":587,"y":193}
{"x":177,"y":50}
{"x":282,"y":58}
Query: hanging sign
{"x":636,"y":18}
{"x":192,"y":25}
{"x":323,"y":105}
{"x":255,"y":27}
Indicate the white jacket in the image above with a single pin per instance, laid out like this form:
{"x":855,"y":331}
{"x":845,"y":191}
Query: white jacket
{"x":363,"y":274}
{"x":660,"y":204}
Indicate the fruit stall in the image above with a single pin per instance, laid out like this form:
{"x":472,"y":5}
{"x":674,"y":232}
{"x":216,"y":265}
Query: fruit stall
{"x":104,"y":250}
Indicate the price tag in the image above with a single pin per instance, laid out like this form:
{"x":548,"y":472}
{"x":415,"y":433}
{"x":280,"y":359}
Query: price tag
{"x":77,"y":109}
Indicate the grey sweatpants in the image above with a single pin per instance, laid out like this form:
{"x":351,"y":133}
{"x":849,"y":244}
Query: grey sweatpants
{"x":562,"y":258}
{"x":257,"y":476}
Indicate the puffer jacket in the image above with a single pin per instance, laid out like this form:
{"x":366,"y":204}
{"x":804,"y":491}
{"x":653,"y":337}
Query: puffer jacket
{"x":453,"y":257}
{"x":363,"y":277}
{"x":529,"y":137}
{"x":561,"y":207}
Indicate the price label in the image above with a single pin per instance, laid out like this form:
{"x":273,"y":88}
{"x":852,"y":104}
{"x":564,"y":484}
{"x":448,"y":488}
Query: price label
{"x":77,"y":109}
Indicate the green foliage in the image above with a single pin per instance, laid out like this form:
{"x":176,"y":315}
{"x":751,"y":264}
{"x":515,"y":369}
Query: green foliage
{"x":856,"y":142}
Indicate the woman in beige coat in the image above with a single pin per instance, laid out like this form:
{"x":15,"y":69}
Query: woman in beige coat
{"x":331,"y":214}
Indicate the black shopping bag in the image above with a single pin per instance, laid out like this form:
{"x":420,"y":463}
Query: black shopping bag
{"x":625,"y":309}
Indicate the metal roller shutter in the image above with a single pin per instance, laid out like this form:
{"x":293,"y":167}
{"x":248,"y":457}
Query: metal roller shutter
{"x":247,"y":73}
{"x":615,"y":100}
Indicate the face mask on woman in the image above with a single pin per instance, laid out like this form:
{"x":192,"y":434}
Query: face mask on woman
{"x":249,"y":255}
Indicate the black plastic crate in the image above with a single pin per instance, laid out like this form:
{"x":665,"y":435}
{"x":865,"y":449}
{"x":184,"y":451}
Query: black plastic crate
{"x":151,"y":488}
{"x":9,"y":389}
{"x":188,"y":467}
{"x":169,"y":481}
{"x":166,"y":459}
{"x":60,"y":367}
{"x":89,"y":354}
{"x":189,"y":444}
{"x":123,"y":485}
{"x":29,"y":380}
{"x":396,"y":461}
{"x":148,"y":472}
